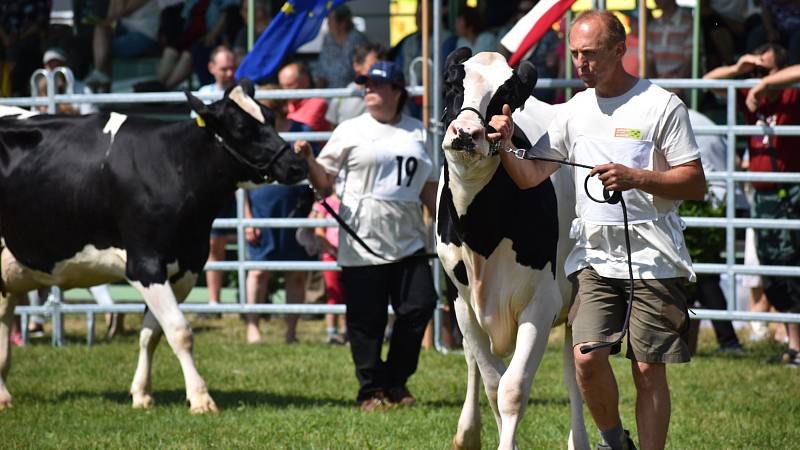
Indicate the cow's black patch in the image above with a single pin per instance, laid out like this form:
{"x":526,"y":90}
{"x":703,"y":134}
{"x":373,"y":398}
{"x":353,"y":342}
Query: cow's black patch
{"x":154,"y":193}
{"x":460,"y":271}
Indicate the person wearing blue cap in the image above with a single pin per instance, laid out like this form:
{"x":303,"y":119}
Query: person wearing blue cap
{"x":384,"y":158}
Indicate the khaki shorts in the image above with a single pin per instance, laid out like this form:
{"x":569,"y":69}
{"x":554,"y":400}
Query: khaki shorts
{"x":659,"y":321}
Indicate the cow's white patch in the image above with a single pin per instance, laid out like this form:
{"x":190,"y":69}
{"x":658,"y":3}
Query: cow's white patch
{"x":246,"y":103}
{"x":467,"y":180}
{"x":115,"y":121}
{"x":89,"y":267}
{"x":16,"y":111}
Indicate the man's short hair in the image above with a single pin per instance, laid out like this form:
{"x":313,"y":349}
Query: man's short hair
{"x":614,"y":30}
{"x":217,"y":50}
{"x":781,"y":55}
{"x":361,"y":51}
{"x":342,"y":14}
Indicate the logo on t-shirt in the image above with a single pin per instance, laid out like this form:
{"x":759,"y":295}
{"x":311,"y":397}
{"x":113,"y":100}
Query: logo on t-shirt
{"x":627,"y":133}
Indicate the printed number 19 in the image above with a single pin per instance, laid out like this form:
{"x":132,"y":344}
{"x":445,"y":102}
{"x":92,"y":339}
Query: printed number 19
{"x":410,"y":168}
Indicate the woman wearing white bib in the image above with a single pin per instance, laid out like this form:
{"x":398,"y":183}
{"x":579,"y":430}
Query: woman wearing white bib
{"x":388,"y":175}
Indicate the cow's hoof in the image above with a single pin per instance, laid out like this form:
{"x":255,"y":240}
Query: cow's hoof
{"x":5,"y":401}
{"x":142,"y":401}
{"x":469,"y":441}
{"x":202,"y":404}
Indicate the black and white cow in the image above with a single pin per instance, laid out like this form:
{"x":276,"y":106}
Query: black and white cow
{"x":93,"y":199}
{"x":503,"y":247}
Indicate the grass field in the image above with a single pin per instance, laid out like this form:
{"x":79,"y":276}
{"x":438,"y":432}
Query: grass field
{"x":276,"y":396}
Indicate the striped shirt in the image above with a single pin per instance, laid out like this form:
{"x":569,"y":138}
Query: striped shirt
{"x":669,"y":44}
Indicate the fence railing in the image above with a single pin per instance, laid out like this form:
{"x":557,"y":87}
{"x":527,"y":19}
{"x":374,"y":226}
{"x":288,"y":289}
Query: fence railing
{"x":56,"y":309}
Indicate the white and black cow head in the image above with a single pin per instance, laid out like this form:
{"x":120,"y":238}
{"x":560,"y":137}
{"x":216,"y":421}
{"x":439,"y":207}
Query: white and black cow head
{"x":482,"y":83}
{"x":246,"y":129}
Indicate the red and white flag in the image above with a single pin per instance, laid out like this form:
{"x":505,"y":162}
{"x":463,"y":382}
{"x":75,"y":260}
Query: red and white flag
{"x":532,"y":27}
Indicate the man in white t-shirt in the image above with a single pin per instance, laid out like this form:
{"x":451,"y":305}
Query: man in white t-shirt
{"x":645,"y":131}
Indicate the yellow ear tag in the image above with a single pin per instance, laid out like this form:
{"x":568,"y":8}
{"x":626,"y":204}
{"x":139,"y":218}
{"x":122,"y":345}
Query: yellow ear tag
{"x":200,"y":122}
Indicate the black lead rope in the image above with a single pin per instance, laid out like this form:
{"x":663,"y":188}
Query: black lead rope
{"x":611,"y":199}
{"x":361,"y":242}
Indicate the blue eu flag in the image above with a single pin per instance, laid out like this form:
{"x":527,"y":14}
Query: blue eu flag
{"x":297,"y":23}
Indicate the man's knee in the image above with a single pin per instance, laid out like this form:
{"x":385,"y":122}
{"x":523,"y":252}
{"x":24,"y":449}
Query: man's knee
{"x":649,"y":376}
{"x":589,"y":365}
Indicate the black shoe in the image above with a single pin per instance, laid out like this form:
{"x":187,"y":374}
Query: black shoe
{"x":791,"y":359}
{"x":400,"y":396}
{"x":628,"y":445}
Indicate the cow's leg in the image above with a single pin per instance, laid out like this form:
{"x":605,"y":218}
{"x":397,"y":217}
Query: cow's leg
{"x":535,"y":323}
{"x":480,"y":363}
{"x":7,"y":304}
{"x":578,"y":439}
{"x":149,"y":337}
{"x":162,"y":303}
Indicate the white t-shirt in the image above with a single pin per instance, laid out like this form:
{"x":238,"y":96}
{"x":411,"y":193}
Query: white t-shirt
{"x":384,"y":168}
{"x":657,"y":247}
{"x":343,"y":108}
{"x":144,"y":20}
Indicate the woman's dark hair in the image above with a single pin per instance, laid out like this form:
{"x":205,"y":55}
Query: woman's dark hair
{"x":401,"y":102}
{"x":361,"y":52}
{"x":781,"y":55}
{"x":342,"y":14}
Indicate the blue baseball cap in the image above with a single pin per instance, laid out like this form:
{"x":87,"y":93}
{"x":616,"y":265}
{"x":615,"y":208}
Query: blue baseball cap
{"x":385,"y":71}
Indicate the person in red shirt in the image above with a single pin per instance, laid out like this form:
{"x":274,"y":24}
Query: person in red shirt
{"x":771,"y":153}
{"x":308,"y":111}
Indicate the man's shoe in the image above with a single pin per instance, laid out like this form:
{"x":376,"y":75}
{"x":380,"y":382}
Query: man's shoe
{"x":336,"y":339}
{"x":791,"y":359}
{"x":36,"y":330}
{"x":628,"y":445}
{"x":400,"y":396}
{"x":375,"y":402}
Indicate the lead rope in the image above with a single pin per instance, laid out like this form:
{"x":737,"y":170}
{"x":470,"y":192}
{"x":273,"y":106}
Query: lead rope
{"x":609,"y":198}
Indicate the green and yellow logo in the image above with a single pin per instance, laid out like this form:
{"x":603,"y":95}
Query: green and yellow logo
{"x":627,"y":133}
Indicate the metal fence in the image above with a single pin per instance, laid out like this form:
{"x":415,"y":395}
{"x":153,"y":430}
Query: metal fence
{"x":55,"y":309}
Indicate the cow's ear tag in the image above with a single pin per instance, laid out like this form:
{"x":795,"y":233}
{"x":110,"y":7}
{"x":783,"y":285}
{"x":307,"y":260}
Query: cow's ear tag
{"x":200,"y":122}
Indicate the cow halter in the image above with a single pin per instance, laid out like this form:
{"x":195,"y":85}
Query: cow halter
{"x":494,"y":146}
{"x":258,"y":168}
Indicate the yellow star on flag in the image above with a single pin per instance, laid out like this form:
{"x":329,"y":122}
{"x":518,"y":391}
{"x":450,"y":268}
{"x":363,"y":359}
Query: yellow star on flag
{"x":287,"y":8}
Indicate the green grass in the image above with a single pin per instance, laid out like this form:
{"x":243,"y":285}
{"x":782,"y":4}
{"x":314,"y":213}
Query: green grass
{"x":296,"y":397}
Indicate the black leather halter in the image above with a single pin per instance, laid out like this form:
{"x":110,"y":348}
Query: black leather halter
{"x":494,"y":146}
{"x":262,"y":170}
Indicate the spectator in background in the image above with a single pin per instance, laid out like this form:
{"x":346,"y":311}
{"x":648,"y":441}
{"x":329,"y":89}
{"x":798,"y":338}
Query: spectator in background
{"x":343,"y":108}
{"x":669,"y":42}
{"x":203,"y":29}
{"x":705,"y":245}
{"x":276,"y":244}
{"x":308,"y":111}
{"x":338,"y":46}
{"x":543,"y":55}
{"x":388,"y":216}
{"x":54,"y":58}
{"x":724,"y":24}
{"x":221,"y":65}
{"x":22,"y":27}
{"x":780,"y":25}
{"x":262,"y":16}
{"x":129,"y":30}
{"x":328,"y":244}
{"x":770,"y":153}
{"x":472,"y":32}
